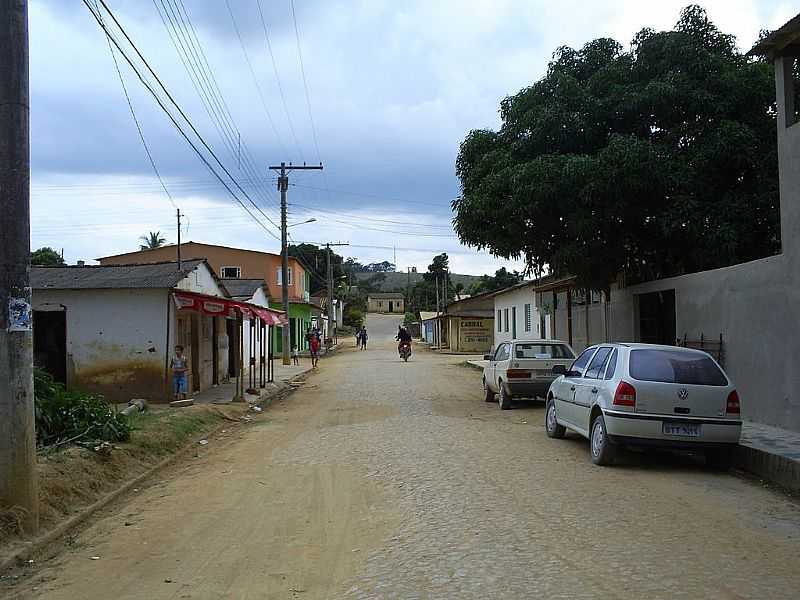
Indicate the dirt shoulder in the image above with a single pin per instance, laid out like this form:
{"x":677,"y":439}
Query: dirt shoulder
{"x":74,"y":478}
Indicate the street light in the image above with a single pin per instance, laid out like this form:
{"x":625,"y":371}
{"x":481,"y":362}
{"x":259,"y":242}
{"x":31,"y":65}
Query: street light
{"x":311,"y":220}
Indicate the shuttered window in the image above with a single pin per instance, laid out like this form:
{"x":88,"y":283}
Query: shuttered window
{"x":527,"y":317}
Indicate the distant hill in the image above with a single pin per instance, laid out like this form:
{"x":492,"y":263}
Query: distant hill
{"x":397,"y":282}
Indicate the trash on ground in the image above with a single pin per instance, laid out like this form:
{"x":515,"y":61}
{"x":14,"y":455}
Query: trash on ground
{"x":203,"y":442}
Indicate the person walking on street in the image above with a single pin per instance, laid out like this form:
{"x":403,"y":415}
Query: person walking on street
{"x":364,"y":338}
{"x":314,"y":347}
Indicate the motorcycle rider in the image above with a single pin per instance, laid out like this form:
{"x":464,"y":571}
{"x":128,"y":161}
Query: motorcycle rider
{"x":403,"y":337}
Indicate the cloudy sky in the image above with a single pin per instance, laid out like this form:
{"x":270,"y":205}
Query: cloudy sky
{"x":394,"y":86}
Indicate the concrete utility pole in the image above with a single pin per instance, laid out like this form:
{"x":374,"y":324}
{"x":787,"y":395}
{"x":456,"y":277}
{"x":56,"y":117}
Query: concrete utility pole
{"x":178,"y":214}
{"x":283,"y":188}
{"x":332,"y":320}
{"x":438,"y":325}
{"x":18,"y":486}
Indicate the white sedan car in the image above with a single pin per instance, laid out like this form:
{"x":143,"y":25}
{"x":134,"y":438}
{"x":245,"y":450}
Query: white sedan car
{"x":646,"y":395}
{"x":523,"y":369}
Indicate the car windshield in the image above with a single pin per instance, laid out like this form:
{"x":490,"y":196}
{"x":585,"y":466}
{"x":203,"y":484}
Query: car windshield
{"x":675,"y":366}
{"x":543,"y":351}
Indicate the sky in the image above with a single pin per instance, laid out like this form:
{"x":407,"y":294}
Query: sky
{"x":393,"y":89}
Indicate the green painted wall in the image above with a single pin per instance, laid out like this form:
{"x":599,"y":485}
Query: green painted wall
{"x":300,"y":319}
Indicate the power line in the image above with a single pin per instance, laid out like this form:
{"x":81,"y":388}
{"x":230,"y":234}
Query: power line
{"x":136,"y":120}
{"x":172,"y":118}
{"x":305,"y":82}
{"x":368,"y":195}
{"x":255,"y":79}
{"x":277,"y":77}
{"x":208,"y":88}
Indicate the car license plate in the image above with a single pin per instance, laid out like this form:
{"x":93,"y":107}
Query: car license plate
{"x":682,"y":429}
{"x":543,"y":373}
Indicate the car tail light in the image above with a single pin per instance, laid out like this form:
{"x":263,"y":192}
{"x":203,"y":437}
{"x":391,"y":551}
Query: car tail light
{"x":732,"y":407}
{"x":518,"y":374}
{"x":625,"y":394}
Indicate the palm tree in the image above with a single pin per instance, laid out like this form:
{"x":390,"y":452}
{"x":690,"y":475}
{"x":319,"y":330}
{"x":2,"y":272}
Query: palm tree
{"x":152,"y":240}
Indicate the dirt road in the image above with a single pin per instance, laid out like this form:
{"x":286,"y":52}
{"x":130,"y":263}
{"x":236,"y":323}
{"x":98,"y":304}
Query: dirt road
{"x":380,"y":479}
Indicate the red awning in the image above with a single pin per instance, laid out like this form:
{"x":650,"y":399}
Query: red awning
{"x":225,"y":307}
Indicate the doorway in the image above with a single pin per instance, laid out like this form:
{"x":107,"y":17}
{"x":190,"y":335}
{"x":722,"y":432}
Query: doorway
{"x":214,"y":351}
{"x":50,"y":342}
{"x":391,"y":306}
{"x":233,"y":345}
{"x":657,"y":318}
{"x":195,"y":358}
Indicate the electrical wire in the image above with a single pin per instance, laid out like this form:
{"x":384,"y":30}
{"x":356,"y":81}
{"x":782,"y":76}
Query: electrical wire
{"x":370,"y":219}
{"x":277,"y":77}
{"x":136,"y":121}
{"x":255,"y":78}
{"x":207,"y":87}
{"x":100,"y":21}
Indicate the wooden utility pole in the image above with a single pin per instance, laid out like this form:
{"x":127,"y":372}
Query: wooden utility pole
{"x":18,"y":486}
{"x":283,"y":188}
{"x":178,"y":214}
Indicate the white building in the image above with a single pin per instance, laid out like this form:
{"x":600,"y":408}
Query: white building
{"x":518,"y":315}
{"x":112,"y":329}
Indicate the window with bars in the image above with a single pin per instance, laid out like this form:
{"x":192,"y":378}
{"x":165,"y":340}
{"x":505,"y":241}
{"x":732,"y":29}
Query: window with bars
{"x":527,"y":317}
{"x":499,"y":321}
{"x":505,"y":319}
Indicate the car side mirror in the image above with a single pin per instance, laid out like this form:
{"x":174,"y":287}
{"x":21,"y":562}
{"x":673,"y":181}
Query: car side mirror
{"x":487,"y":357}
{"x":559,"y":370}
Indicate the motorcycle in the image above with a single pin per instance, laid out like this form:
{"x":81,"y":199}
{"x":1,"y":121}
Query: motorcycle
{"x":405,"y":351}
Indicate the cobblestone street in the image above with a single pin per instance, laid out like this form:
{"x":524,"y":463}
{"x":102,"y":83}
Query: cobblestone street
{"x":380,"y":479}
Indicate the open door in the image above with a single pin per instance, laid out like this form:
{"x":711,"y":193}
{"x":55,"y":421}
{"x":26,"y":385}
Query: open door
{"x":50,"y":342}
{"x":657,"y":318}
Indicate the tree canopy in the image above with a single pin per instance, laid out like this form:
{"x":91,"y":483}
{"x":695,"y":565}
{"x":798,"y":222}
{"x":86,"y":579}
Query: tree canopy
{"x":46,"y":257}
{"x":501,"y":280}
{"x":656,"y":160}
{"x":152,"y":240}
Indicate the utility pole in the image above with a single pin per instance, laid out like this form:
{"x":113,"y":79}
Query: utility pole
{"x":438,"y":325}
{"x":18,"y":485}
{"x":332,"y":320}
{"x":178,"y":214}
{"x":283,"y":188}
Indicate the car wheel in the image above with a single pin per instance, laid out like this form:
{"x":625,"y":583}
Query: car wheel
{"x":504,"y":399}
{"x":554,"y":430}
{"x":600,"y":447}
{"x":488,"y":394}
{"x":719,"y":458}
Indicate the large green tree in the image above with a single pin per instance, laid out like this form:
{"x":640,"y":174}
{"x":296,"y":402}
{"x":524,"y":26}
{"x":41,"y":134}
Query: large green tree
{"x":656,"y":160}
{"x":46,"y":257}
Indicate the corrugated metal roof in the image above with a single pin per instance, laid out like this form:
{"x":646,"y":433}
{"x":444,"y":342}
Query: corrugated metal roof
{"x":425,"y":315}
{"x":243,"y":288}
{"x":386,"y":295}
{"x":784,"y":40}
{"x":96,"y":277}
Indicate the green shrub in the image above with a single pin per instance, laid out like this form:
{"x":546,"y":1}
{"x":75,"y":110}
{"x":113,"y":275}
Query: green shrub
{"x":353,"y":317}
{"x":63,"y":414}
{"x":409,"y":319}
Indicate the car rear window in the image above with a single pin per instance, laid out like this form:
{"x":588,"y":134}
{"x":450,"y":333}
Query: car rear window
{"x":675,"y":366}
{"x":543,"y":351}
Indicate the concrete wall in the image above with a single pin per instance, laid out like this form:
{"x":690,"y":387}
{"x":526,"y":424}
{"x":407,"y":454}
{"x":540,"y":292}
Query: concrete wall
{"x":116,"y":340}
{"x":516,"y":298}
{"x":755,"y":308}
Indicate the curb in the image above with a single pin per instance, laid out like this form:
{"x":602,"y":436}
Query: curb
{"x":34,"y":546}
{"x":774,"y":468}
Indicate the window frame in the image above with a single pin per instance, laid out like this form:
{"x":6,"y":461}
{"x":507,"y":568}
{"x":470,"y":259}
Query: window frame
{"x":602,"y":369}
{"x":528,"y":320}
{"x":505,"y":346}
{"x":611,"y":365}
{"x":590,"y":351}
{"x":499,"y":321}
{"x":238,"y":272}
{"x":505,"y":320}
{"x":279,"y":276}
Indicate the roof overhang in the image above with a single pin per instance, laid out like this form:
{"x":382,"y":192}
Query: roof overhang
{"x":217,"y":306}
{"x":784,"y":41}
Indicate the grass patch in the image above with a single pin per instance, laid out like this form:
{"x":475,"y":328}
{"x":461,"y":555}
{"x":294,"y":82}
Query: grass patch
{"x":163,"y":432}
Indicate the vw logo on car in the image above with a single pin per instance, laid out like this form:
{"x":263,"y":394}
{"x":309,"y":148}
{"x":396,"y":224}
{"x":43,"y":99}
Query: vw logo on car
{"x":683,"y":393}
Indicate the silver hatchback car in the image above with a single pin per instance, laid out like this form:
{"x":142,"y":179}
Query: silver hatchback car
{"x":646,"y":395}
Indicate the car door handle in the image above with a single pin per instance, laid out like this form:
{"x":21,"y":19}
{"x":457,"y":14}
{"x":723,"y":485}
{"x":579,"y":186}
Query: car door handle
{"x":594,"y":390}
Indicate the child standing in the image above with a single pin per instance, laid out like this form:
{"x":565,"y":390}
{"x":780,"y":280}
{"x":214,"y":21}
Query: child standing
{"x":295,"y":356}
{"x":179,"y":370}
